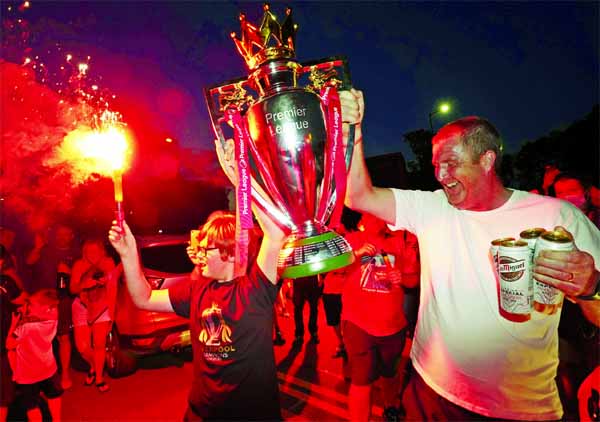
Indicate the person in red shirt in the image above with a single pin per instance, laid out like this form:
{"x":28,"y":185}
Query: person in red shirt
{"x":333,"y":284}
{"x":374,"y":324}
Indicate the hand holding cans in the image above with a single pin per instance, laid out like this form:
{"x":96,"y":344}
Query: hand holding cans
{"x":520,"y":294}
{"x":548,"y":299}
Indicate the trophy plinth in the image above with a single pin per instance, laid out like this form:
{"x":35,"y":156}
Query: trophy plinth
{"x":303,"y":256}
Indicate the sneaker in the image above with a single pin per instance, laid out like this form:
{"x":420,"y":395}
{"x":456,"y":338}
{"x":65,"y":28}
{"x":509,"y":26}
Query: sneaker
{"x":103,"y":387}
{"x":90,"y":378}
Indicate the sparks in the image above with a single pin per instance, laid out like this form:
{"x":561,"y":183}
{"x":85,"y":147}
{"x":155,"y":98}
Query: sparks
{"x":83,"y":68}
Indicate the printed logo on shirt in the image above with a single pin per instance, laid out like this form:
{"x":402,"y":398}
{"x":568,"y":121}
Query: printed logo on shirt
{"x":373,"y":273}
{"x":215,"y":334}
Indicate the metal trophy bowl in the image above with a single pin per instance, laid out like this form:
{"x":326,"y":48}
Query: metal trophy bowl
{"x":291,"y":159}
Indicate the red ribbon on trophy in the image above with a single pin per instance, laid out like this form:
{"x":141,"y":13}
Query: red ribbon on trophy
{"x":335,"y":148}
{"x":243,"y":209}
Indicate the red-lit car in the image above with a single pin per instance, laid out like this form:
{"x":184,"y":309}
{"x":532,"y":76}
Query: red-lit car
{"x":137,"y":332}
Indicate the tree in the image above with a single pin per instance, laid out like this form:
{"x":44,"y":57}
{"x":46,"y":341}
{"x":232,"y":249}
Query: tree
{"x":575,"y":149}
{"x":420,"y":171}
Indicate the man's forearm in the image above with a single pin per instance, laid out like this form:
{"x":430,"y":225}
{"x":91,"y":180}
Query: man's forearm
{"x":359,"y":182}
{"x":361,"y":195}
{"x":268,"y":256}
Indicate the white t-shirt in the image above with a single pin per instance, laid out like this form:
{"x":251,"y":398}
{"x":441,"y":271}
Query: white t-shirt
{"x":463,"y":348}
{"x":34,"y":361}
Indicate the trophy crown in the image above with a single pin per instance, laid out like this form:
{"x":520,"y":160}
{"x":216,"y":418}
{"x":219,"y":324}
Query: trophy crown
{"x":270,"y":41}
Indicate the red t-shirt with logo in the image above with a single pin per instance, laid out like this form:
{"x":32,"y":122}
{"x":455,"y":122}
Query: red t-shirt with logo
{"x":368,"y":299}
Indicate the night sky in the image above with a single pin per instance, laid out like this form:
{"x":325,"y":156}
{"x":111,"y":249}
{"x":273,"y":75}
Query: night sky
{"x":528,"y":67}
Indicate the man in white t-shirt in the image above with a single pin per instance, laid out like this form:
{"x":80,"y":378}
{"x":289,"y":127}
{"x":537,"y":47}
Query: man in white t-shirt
{"x":472,"y":363}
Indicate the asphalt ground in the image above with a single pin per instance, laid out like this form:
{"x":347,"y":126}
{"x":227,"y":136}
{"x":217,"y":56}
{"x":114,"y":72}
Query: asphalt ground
{"x":311,"y":381}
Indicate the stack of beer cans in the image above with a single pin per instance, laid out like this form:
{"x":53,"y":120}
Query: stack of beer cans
{"x":520,"y":294}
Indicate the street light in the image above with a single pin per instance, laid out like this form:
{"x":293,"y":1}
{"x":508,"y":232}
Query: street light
{"x":443,"y":108}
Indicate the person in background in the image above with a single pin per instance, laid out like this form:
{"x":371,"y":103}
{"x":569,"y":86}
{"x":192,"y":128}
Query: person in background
{"x":588,"y":397}
{"x":571,"y":188}
{"x":579,"y":346}
{"x":49,"y":264}
{"x":306,"y":289}
{"x":11,"y":296}
{"x":411,"y":271}
{"x":333,"y":284}
{"x":551,"y":170}
{"x":29,"y":345}
{"x":11,"y":266}
{"x":470,"y":362}
{"x":278,"y":339}
{"x":282,"y":300}
{"x":94,"y":282}
{"x":593,"y":194}
{"x":373,"y":320}
{"x":231,"y":318}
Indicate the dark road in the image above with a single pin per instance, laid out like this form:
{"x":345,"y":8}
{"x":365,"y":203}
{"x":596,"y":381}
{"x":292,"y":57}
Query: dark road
{"x":311,"y":383}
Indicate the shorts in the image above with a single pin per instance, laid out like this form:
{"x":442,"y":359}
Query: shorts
{"x":30,"y":393}
{"x":333,"y":308}
{"x":7,"y":388}
{"x":65,"y":315}
{"x":80,"y":315}
{"x":371,"y":356}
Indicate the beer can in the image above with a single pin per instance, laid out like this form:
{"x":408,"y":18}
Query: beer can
{"x":514,"y":270}
{"x":547,"y":299}
{"x":531,"y":236}
{"x":494,"y":245}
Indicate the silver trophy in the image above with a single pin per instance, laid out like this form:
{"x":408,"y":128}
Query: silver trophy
{"x":295,"y":162}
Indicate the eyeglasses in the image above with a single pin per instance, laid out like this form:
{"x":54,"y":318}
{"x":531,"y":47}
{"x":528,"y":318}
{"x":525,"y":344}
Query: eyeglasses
{"x":202,"y":251}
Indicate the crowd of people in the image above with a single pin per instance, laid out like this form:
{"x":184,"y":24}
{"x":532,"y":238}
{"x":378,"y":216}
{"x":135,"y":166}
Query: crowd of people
{"x":65,"y":295}
{"x":467,"y":362}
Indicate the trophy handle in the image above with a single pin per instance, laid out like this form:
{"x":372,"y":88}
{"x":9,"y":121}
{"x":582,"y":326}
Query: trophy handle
{"x":326,"y":66}
{"x":348,"y":160}
{"x":236,"y":98}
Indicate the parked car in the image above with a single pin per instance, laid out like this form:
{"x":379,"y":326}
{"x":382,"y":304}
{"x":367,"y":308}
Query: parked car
{"x":138,"y":332}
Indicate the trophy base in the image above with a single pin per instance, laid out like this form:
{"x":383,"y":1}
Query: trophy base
{"x":306,"y":256}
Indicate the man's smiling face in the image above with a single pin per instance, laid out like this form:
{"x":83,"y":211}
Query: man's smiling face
{"x":462,"y":177}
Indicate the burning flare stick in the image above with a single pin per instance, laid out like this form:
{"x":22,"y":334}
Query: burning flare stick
{"x":102,"y":150}
{"x":119,"y":212}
